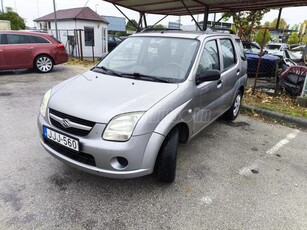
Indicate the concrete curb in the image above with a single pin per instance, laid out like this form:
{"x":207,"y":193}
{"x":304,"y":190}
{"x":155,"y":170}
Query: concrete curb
{"x":301,"y":122}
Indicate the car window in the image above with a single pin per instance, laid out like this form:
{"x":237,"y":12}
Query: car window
{"x":18,"y":39}
{"x":163,"y":57}
{"x":110,"y":38}
{"x":2,"y":39}
{"x":241,"y":50}
{"x":209,"y":58}
{"x":117,"y":39}
{"x":37,"y":39}
{"x":228,"y":53}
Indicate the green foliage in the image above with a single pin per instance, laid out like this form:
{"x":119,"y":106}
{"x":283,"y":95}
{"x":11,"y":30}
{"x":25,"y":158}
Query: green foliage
{"x":17,"y":22}
{"x":159,"y":26}
{"x":246,"y":20}
{"x":234,"y":28}
{"x":282,"y":24}
{"x":260,"y":39}
{"x":304,"y":39}
{"x":131,"y":26}
{"x":293,"y":38}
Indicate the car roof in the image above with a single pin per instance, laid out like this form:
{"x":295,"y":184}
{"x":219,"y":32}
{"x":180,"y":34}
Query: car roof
{"x":181,"y":34}
{"x":24,"y":32}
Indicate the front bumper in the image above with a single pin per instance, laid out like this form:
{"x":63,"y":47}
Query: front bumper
{"x":140,"y":152}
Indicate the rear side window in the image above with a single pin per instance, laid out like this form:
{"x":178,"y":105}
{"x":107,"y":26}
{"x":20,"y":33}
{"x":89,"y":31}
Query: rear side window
{"x":18,"y":39}
{"x":37,"y":39}
{"x":209,"y":58}
{"x":228,"y":52}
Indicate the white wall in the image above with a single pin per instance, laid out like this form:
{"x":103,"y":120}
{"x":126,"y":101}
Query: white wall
{"x":66,"y":28}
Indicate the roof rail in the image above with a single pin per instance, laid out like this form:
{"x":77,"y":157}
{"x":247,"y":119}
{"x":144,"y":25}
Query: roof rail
{"x":158,"y":29}
{"x":222,"y":29}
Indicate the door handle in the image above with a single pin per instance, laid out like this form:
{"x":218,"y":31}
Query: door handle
{"x":30,"y":48}
{"x":219,"y":83}
{"x":238,"y":72}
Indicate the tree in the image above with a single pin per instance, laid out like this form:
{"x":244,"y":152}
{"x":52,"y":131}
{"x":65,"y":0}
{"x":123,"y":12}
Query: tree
{"x":246,"y":21}
{"x":304,"y":39}
{"x":282,"y":24}
{"x":17,"y":22}
{"x":293,"y":38}
{"x":260,"y":35}
{"x":130,"y":26}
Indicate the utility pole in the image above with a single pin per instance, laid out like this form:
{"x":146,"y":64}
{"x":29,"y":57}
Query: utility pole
{"x":55,"y":21}
{"x":2,"y":6}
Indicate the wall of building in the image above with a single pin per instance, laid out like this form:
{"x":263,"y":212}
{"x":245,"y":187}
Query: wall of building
{"x":66,"y":30}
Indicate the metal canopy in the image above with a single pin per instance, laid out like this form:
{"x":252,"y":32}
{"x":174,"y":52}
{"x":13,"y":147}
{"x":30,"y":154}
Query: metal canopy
{"x":188,"y":7}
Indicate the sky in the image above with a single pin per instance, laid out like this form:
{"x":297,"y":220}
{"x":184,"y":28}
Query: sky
{"x":31,"y":9}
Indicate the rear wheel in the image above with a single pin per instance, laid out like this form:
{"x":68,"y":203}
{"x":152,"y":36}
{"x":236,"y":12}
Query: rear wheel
{"x":43,"y":64}
{"x":166,"y":161}
{"x":232,"y":113}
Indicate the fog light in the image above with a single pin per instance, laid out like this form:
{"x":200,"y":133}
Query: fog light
{"x":119,"y":163}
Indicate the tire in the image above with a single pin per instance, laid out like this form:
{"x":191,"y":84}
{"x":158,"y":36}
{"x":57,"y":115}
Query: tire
{"x":166,"y":161}
{"x":43,"y":63}
{"x":233,"y":112}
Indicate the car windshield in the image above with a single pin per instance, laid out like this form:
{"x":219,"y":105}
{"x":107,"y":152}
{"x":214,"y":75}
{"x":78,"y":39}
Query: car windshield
{"x":152,"y":58}
{"x":273,"y":47}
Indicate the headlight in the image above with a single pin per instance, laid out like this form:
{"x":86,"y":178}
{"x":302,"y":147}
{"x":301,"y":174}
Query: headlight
{"x":121,"y":127}
{"x":44,"y":103}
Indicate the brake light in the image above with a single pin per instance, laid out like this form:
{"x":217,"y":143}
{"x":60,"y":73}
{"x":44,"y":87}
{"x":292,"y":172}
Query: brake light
{"x":60,"y":45}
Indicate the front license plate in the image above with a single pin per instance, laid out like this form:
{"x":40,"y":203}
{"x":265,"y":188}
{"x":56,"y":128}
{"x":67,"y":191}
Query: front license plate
{"x":61,"y":139}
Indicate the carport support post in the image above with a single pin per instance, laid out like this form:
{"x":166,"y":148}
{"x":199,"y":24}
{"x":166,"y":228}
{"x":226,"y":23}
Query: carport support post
{"x":278,"y":19}
{"x":206,"y":15}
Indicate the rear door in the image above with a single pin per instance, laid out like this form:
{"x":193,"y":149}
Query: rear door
{"x":208,"y":94}
{"x":231,"y":71}
{"x":19,"y":51}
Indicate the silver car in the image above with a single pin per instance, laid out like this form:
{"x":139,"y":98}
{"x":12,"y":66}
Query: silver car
{"x":125,"y":117}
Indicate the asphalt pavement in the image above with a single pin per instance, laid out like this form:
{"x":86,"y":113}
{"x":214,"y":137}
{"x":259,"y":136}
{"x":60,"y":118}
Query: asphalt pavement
{"x":242,"y":175}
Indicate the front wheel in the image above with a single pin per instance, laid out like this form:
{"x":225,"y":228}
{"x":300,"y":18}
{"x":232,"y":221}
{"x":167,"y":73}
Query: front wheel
{"x":232,"y":113}
{"x":43,"y":64}
{"x":166,"y":161}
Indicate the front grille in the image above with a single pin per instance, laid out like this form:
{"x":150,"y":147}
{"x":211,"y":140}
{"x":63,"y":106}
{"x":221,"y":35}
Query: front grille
{"x":71,"y":130}
{"x":77,"y":156}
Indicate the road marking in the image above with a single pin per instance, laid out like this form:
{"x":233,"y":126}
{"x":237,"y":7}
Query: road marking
{"x":283,"y":142}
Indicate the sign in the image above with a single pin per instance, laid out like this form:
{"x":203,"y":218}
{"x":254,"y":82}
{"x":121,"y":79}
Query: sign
{"x":174,"y":25}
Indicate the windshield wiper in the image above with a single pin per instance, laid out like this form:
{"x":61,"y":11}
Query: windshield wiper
{"x":110,"y":71}
{"x":146,"y":77}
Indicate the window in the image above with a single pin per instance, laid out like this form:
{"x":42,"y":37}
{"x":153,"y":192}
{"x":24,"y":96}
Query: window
{"x":89,"y":36}
{"x":209,"y":58}
{"x":36,"y":39}
{"x":229,"y":56}
{"x":2,"y":39}
{"x":18,"y":39}
{"x":241,"y":49}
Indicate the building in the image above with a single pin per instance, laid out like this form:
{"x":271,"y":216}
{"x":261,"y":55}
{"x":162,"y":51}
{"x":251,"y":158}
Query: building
{"x":82,"y":31}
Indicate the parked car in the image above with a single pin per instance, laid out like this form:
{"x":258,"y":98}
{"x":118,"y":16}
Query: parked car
{"x":23,"y":50}
{"x":113,"y":41}
{"x":276,"y":48}
{"x":249,"y":46}
{"x":125,"y":117}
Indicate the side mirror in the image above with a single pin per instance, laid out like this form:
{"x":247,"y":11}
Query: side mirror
{"x":208,"y":75}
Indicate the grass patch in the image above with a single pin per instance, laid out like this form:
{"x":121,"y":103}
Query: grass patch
{"x":84,"y":63}
{"x":281,"y":103}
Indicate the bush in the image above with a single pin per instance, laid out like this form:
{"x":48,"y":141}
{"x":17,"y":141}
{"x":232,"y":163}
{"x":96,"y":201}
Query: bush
{"x":293,"y":38}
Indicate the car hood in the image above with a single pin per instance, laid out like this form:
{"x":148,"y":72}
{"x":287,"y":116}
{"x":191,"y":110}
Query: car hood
{"x":99,"y":97}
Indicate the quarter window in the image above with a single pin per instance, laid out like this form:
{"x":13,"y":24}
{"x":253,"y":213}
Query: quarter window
{"x":89,"y":36}
{"x":228,"y":52}
{"x":209,"y":58}
{"x":36,"y":39}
